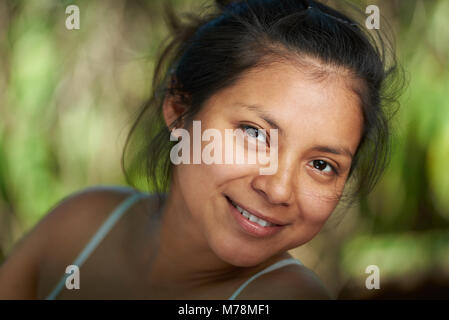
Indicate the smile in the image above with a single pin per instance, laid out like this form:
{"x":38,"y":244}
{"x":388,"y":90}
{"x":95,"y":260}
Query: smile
{"x":251,"y":223}
{"x":252,"y":217}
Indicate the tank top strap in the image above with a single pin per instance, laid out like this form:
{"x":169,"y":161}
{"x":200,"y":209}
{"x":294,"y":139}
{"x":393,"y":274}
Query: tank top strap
{"x":274,"y":266}
{"x":96,"y":239}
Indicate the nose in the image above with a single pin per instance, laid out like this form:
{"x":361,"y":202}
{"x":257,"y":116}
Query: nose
{"x":278,"y":187}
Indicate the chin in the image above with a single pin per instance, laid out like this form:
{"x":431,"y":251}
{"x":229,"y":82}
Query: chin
{"x":239,"y":255}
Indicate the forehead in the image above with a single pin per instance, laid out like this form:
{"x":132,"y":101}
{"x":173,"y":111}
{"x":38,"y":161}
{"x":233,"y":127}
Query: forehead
{"x":299,"y":101}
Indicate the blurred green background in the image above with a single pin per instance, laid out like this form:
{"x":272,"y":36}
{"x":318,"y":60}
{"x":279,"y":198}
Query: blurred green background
{"x":68,"y":98}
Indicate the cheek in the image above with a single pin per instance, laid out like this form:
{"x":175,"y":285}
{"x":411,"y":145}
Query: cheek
{"x":226,"y":173}
{"x":202,"y":184}
{"x":316,"y":212}
{"x":194,"y":188}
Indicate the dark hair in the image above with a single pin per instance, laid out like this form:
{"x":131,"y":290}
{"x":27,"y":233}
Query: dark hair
{"x":208,"y":52}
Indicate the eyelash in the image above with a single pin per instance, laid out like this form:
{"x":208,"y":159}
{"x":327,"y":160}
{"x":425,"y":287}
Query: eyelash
{"x":246,"y":126}
{"x":334,"y":170}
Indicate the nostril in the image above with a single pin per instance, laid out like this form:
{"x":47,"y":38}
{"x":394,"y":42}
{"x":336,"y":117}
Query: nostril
{"x":263,"y":193}
{"x":271,"y":199}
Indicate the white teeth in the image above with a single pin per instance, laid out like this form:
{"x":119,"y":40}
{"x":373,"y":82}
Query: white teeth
{"x":253,"y":218}
{"x":263,"y":223}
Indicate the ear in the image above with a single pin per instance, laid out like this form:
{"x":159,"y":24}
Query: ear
{"x":172,"y":109}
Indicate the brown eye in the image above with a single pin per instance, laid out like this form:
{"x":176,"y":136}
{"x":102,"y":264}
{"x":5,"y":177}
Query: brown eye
{"x":323,"y":166}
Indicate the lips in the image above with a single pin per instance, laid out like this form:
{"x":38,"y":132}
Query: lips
{"x":250,"y":227}
{"x":256,"y":213}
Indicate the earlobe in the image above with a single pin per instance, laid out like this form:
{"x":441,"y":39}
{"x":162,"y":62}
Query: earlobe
{"x":172,"y":109}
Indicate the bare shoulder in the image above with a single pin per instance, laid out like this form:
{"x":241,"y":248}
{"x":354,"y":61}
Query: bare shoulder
{"x":291,"y":282}
{"x":71,"y":222}
{"x":60,"y":234}
{"x":86,"y":208}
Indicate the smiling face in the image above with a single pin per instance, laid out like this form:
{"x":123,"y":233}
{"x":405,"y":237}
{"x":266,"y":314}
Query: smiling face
{"x":319,"y":128}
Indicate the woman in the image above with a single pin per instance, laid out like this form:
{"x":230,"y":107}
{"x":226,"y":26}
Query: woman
{"x":297,"y":78}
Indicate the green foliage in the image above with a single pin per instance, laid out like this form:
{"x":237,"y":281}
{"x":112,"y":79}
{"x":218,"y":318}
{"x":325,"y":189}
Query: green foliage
{"x":68,"y":98}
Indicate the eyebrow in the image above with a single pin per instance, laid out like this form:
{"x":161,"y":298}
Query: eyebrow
{"x":262,"y":115}
{"x":334,"y":150}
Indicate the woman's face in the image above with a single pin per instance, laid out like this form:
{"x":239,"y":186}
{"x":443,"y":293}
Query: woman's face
{"x":319,"y":128}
